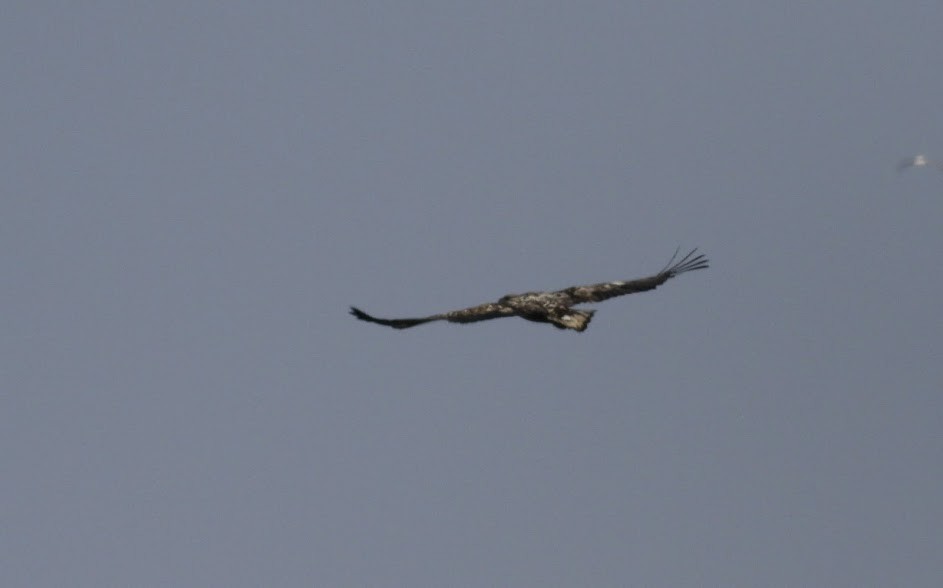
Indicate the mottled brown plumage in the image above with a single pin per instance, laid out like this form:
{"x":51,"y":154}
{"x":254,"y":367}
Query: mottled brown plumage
{"x":551,"y":307}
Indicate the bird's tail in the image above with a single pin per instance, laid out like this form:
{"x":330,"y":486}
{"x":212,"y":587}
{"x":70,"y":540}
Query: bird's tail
{"x":576,"y":319}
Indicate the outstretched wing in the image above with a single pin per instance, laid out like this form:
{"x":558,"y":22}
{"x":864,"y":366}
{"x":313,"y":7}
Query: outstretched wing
{"x":606,"y":290}
{"x":403,"y":323}
{"x":474,"y":314}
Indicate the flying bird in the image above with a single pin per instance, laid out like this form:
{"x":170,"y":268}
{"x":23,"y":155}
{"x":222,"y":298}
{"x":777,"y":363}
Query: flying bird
{"x":917,"y":161}
{"x":554,"y":307}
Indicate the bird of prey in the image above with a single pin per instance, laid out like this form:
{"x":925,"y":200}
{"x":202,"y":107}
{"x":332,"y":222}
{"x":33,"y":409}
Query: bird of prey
{"x":917,"y":161}
{"x":555,"y":307}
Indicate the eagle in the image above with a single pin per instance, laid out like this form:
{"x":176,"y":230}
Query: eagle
{"x":554,"y":307}
{"x":918,"y":161}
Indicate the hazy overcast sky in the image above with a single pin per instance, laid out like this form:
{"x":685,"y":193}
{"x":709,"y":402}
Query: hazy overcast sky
{"x":194,"y":193}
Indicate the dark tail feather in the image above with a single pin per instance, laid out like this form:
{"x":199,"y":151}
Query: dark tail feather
{"x":395,"y":323}
{"x":688,"y":263}
{"x":578,"y":320}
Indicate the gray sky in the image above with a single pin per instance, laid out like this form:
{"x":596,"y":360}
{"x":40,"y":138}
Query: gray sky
{"x":193,"y":195}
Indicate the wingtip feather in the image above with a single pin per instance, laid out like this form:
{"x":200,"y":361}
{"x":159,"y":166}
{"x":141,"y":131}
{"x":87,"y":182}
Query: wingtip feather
{"x":688,"y":263}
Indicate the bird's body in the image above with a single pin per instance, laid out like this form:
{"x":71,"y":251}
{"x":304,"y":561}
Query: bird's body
{"x":556,"y":307}
{"x":918,"y":161}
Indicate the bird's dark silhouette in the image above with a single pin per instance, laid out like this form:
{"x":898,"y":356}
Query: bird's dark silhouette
{"x":554,"y":307}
